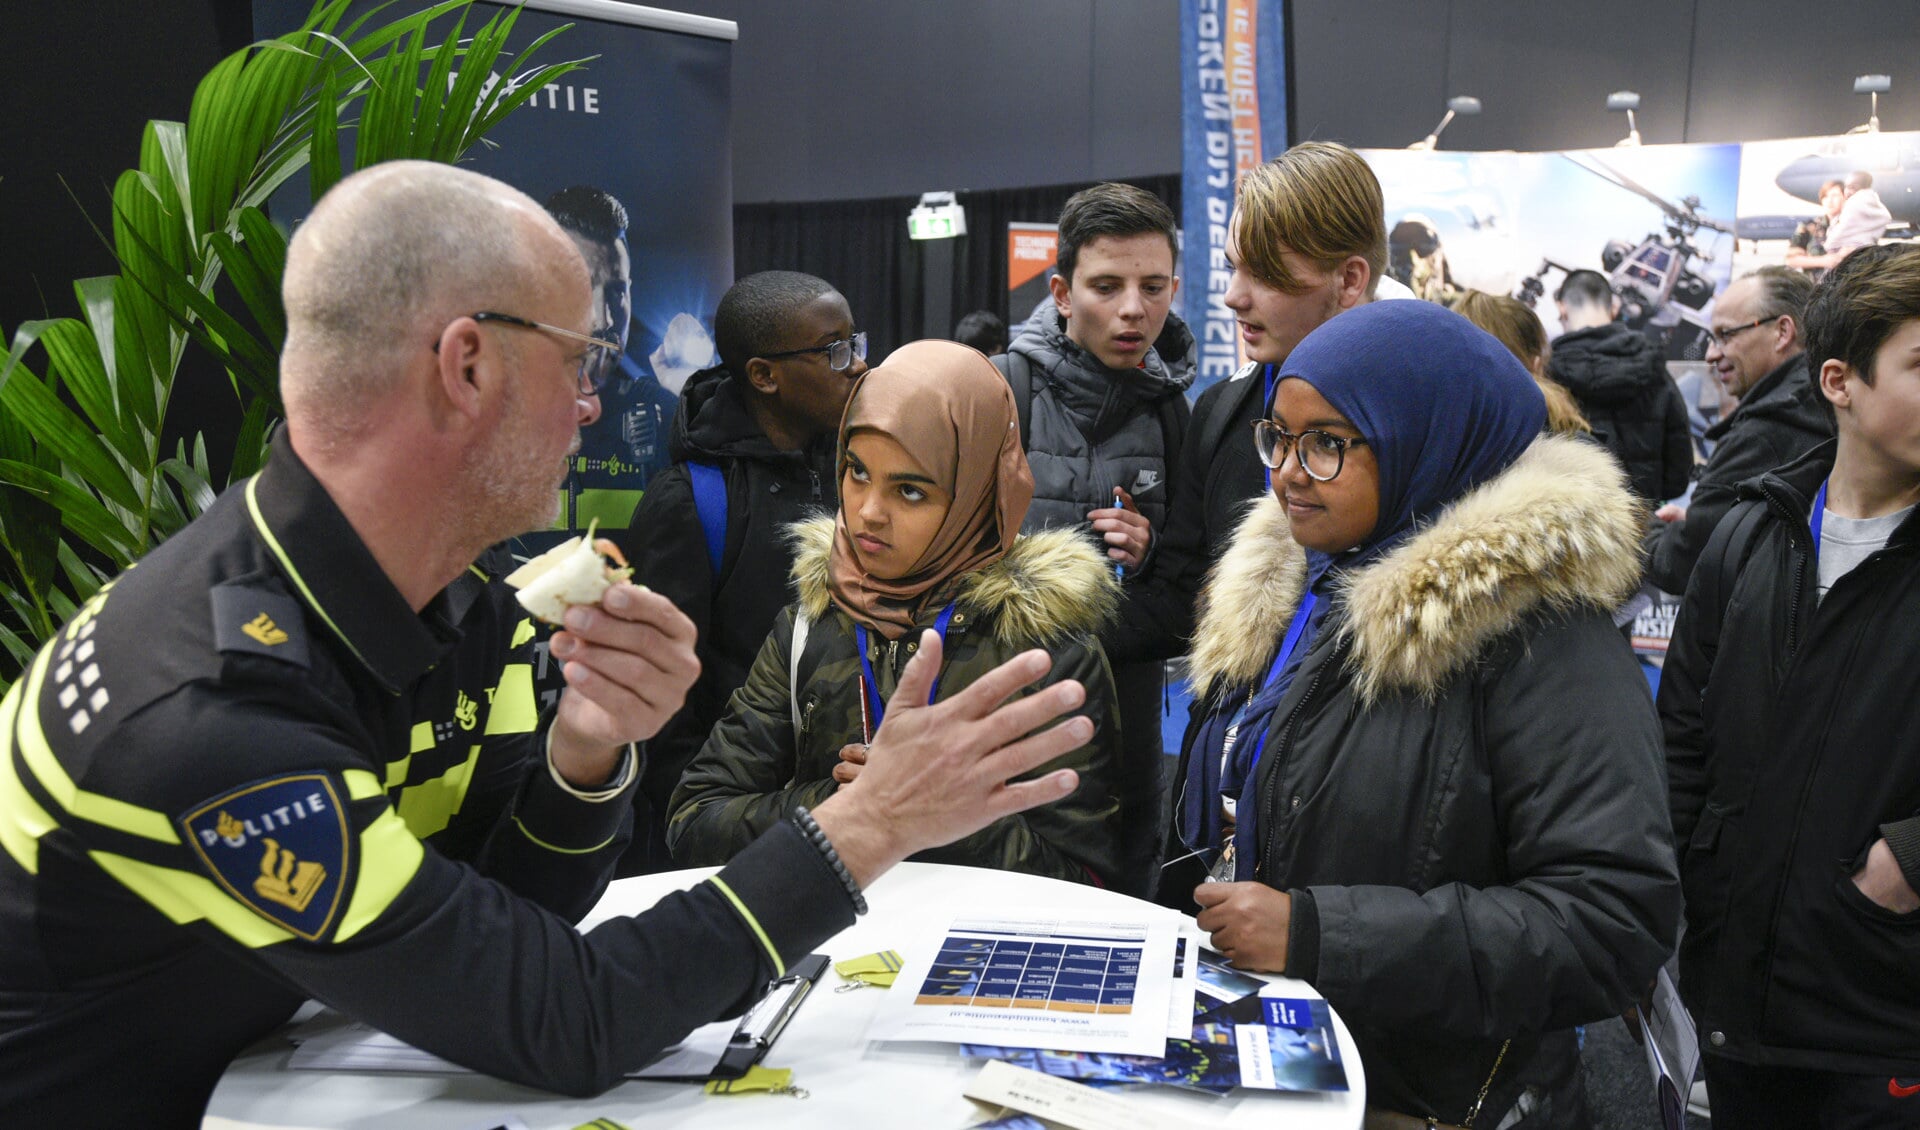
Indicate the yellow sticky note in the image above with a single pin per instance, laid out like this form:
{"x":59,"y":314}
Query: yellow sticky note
{"x":872,"y":969}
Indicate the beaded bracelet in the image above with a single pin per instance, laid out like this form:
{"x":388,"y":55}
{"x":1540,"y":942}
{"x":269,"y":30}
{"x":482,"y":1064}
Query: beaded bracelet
{"x":810,"y":828}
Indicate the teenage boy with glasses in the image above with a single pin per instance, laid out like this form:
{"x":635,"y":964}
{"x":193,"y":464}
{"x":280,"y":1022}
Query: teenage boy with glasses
{"x":752,"y":453}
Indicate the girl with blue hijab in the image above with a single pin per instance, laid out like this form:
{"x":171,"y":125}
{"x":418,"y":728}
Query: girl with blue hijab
{"x":1424,"y":765}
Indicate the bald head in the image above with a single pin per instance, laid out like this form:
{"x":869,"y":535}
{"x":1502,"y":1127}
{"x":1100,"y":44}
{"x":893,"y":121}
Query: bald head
{"x":386,"y":260}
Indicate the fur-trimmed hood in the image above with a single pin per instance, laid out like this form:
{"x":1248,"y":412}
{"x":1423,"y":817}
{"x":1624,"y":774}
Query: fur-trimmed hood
{"x":1049,"y":585}
{"x":1558,"y":528}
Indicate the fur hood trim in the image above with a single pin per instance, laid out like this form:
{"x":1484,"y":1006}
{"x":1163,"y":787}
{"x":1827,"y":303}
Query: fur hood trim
{"x":1050,"y":585}
{"x":1557,"y":529}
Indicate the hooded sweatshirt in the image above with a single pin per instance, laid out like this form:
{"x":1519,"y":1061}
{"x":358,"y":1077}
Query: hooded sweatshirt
{"x":1621,"y":383}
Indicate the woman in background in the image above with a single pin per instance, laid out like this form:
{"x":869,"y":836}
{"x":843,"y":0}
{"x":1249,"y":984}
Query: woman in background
{"x":933,"y":487}
{"x":1518,"y":328}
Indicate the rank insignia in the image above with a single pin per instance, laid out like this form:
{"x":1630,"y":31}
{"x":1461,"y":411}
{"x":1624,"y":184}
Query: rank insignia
{"x":280,"y":846}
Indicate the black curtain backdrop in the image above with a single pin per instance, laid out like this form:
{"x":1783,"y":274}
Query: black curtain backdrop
{"x":861,"y":247}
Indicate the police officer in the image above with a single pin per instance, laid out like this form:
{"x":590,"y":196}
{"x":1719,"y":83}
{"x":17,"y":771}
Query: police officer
{"x":295,"y":753}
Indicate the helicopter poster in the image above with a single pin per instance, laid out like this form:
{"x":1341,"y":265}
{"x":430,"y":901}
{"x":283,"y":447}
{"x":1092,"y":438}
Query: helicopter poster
{"x":1658,"y":220}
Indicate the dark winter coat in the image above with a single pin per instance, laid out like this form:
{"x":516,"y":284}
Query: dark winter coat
{"x":1621,"y":383}
{"x":1091,"y":428}
{"x":1781,"y":418}
{"x":1217,"y":478}
{"x":1050,"y":590}
{"x":1463,"y":787}
{"x":767,"y":491}
{"x":1791,"y":749}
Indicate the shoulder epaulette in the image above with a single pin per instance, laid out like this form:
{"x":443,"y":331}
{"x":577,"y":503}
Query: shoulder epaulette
{"x":254,"y":616}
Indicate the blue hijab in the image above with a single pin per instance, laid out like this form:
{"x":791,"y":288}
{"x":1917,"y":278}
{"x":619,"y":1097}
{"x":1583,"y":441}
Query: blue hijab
{"x":1441,"y":403}
{"x":1444,"y":407}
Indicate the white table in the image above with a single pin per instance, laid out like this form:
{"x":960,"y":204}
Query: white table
{"x":852,"y":1083}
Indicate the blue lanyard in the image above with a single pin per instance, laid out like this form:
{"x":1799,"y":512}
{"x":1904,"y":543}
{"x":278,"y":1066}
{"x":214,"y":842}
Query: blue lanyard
{"x":877,"y":710}
{"x":1294,"y":631}
{"x":1817,"y":519}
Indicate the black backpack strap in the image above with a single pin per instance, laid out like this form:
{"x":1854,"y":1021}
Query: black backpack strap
{"x":1019,"y":373}
{"x":1739,"y":546}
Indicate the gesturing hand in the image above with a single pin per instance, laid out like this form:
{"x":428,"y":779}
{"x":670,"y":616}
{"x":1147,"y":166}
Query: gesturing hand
{"x":1248,"y":921}
{"x":628,"y":663}
{"x":934,"y":774}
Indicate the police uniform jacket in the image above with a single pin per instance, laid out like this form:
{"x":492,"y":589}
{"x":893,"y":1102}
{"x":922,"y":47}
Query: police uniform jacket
{"x":248,"y":773}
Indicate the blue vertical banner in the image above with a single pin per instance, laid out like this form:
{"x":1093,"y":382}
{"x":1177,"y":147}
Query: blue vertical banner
{"x":1233,"y":84}
{"x":633,"y":155}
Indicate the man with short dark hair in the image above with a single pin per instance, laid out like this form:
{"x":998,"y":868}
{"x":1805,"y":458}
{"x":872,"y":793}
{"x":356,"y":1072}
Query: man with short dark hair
{"x":753,"y":453}
{"x":628,"y":445}
{"x":1757,"y":351}
{"x":1102,"y":416}
{"x":295,"y":752}
{"x":1795,"y":783}
{"x":1621,"y":383}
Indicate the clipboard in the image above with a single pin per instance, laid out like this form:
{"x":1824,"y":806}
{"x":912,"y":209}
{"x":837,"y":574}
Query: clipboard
{"x":762,"y":1024}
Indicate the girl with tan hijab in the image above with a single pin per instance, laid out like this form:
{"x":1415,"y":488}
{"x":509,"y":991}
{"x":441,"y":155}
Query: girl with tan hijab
{"x":933,"y":487}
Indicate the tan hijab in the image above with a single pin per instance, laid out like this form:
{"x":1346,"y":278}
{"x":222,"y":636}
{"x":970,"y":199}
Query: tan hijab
{"x":950,"y":409}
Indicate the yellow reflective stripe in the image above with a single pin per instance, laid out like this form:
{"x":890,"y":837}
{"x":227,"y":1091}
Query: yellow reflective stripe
{"x":427,"y":806}
{"x":514,"y":710}
{"x":280,"y":554}
{"x":361,"y":784}
{"x":419,"y":738}
{"x":117,"y":814}
{"x":522,"y":632}
{"x":389,"y":858}
{"x":22,"y":820}
{"x":478,"y":572}
{"x":552,"y":847}
{"x":766,"y":943}
{"x":185,"y":897}
{"x":397,"y":771}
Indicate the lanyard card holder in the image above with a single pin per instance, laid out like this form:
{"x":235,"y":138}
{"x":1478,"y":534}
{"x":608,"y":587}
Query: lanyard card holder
{"x":763,"y":1022}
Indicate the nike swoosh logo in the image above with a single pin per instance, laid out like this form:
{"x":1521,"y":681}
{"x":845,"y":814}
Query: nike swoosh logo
{"x":1899,"y":1092}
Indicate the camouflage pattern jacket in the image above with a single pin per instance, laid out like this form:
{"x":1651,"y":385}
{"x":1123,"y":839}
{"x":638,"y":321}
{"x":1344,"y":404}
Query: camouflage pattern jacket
{"x":1051,"y":590}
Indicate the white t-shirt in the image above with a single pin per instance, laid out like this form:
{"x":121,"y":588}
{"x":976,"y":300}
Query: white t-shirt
{"x":1846,"y":542}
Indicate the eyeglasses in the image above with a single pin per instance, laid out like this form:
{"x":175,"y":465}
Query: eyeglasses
{"x":1322,"y":454}
{"x":596,"y":364}
{"x":1728,"y":334}
{"x":840,"y":354}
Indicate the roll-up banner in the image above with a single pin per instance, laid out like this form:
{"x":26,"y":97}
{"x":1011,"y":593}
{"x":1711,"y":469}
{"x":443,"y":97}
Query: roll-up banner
{"x":632,"y":153}
{"x":1233,"y":81}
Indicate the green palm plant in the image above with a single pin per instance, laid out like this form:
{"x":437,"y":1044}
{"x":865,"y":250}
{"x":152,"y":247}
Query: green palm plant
{"x":85,"y":488}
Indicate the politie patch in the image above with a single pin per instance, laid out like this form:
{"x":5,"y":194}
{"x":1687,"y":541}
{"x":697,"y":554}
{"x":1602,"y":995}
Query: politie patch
{"x":280,"y":846}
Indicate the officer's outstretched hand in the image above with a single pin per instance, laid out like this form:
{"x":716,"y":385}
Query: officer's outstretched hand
{"x":936,"y":773}
{"x":628,"y":662}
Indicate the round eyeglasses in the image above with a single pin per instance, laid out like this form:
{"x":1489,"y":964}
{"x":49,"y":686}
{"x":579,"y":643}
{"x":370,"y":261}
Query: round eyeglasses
{"x":840,"y":354}
{"x":1322,"y":454}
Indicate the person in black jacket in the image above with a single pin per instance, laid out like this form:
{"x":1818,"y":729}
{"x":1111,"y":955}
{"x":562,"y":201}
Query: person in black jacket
{"x":1424,"y":763}
{"x":1787,"y":702}
{"x":1758,"y":352}
{"x":761,"y":426}
{"x":1622,"y":386}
